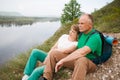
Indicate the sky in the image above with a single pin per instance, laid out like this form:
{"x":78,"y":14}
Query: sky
{"x":48,"y":7}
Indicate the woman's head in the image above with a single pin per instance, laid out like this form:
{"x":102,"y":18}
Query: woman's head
{"x":74,"y":31}
{"x":75,"y":27}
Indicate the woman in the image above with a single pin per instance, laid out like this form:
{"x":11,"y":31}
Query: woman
{"x":65,"y":45}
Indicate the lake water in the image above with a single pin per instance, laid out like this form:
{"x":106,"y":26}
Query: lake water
{"x":17,"y":39}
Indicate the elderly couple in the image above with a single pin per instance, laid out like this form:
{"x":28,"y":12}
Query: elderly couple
{"x":70,"y":51}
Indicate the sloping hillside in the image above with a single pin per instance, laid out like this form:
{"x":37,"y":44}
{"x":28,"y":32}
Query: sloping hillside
{"x":107,"y":19}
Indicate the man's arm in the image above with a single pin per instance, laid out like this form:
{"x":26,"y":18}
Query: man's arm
{"x":74,"y":55}
{"x":68,"y":50}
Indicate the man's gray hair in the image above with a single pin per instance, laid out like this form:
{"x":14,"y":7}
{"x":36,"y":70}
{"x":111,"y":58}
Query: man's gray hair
{"x":90,"y":17}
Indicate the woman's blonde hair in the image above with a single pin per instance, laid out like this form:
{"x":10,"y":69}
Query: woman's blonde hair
{"x":76,"y":28}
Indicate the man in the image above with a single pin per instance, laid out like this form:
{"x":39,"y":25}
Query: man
{"x":81,"y":59}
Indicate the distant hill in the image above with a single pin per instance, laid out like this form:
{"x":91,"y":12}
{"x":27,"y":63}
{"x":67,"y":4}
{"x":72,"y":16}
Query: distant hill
{"x":107,"y":19}
{"x":3,"y":13}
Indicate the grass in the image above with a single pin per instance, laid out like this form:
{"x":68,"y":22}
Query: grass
{"x":13,"y":69}
{"x":107,"y":19}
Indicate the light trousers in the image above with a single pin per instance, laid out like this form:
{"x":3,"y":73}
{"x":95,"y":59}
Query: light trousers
{"x":30,"y":68}
{"x":80,"y":66}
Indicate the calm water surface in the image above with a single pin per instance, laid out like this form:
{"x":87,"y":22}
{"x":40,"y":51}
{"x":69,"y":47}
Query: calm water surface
{"x":17,"y":39}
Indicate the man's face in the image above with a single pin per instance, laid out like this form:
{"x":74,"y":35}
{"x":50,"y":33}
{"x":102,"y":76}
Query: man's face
{"x":84,"y":25}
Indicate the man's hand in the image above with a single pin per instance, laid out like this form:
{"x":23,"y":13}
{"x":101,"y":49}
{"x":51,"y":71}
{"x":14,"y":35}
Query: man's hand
{"x":58,"y":65}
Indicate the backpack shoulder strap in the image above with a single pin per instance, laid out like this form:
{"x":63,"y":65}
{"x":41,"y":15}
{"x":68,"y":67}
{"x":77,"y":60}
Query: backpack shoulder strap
{"x":91,"y":35}
{"x":96,"y":31}
{"x":79,"y":35}
{"x":102,"y":38}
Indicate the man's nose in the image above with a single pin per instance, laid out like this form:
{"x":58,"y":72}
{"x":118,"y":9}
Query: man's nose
{"x":79,"y":25}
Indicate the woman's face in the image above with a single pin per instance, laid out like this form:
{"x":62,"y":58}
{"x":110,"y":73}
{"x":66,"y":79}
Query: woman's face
{"x":73,"y":33}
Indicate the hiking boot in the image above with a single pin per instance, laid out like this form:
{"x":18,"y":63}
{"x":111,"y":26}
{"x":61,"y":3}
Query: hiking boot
{"x":42,"y":78}
{"x":25,"y":77}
